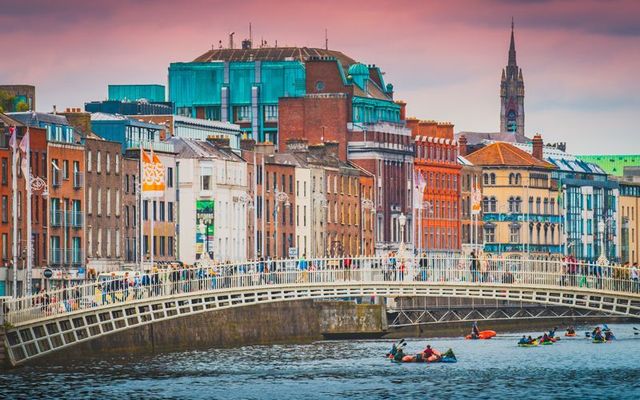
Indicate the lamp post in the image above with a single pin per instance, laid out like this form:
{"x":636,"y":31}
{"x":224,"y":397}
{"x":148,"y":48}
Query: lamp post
{"x":280,"y":197}
{"x":365,"y":204}
{"x":246,"y":199}
{"x":321,"y":199}
{"x":402,"y":219}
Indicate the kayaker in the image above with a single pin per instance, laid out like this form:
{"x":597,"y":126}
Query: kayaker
{"x":552,"y":333}
{"x":399,"y":355}
{"x":597,"y":335}
{"x":524,"y":340}
{"x":545,"y":338}
{"x":571,"y":330}
{"x":430,"y":354}
{"x":530,"y":340}
{"x":608,"y":335}
{"x":475,"y":332}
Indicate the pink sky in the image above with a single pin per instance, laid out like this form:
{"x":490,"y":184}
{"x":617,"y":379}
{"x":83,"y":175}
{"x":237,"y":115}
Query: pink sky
{"x":580,"y":59}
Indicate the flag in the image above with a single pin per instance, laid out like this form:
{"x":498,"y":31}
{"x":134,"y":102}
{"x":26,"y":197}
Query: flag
{"x":24,"y":143}
{"x":476,"y":200}
{"x":12,"y":138}
{"x":152,"y":174}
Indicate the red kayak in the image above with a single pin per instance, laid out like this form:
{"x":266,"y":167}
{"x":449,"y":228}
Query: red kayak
{"x":483,"y":335}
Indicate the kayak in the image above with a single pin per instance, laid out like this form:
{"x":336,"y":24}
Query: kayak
{"x":532,"y":344}
{"x":570,"y":334}
{"x":483,"y":335}
{"x":598,"y":341}
{"x":447,"y":357}
{"x":546,"y":343}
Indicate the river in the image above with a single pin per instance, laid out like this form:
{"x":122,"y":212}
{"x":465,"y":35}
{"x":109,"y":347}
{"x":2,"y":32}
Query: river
{"x":496,"y":368}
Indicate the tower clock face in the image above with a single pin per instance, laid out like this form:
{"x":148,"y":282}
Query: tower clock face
{"x":512,"y":124}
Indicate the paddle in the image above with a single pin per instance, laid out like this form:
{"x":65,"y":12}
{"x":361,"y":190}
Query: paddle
{"x":636,"y":329}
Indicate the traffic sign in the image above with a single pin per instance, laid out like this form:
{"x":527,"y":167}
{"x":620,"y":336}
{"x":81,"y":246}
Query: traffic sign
{"x":47,"y":273}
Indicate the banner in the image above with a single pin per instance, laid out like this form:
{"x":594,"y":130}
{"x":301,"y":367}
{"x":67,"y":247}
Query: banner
{"x":152,"y":175}
{"x":25,"y":148}
{"x":476,"y":201}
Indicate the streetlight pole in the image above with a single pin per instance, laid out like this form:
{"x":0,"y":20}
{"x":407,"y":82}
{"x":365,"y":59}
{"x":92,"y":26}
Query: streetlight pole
{"x":429,"y":207}
{"x":247,"y":200}
{"x":322,"y":201}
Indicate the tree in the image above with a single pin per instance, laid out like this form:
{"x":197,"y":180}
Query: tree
{"x":22,"y":106}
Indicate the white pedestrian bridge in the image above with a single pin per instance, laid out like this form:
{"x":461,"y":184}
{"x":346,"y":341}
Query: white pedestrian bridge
{"x":45,"y":323}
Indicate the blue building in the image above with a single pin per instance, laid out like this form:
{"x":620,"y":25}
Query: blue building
{"x":589,"y":205}
{"x":150,"y":93}
{"x":140,"y":107}
{"x":58,"y":128}
{"x":242,"y":86}
{"x":131,"y":132}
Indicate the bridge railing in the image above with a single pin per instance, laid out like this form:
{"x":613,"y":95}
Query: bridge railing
{"x":141,"y":285}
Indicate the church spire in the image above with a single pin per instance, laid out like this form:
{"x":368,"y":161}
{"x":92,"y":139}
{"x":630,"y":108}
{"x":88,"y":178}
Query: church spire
{"x":512,"y":47}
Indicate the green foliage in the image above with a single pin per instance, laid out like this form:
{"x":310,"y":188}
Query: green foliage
{"x":22,"y":106}
{"x":6,"y":100}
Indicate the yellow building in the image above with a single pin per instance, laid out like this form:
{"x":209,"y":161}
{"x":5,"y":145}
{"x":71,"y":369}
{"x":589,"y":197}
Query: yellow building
{"x":520,"y":205}
{"x":629,"y":224}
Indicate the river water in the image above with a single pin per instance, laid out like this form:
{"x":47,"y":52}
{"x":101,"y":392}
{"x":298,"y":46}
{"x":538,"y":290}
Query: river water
{"x":496,"y":368}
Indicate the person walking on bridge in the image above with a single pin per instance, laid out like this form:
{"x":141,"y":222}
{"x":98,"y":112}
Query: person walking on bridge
{"x":474,"y":266}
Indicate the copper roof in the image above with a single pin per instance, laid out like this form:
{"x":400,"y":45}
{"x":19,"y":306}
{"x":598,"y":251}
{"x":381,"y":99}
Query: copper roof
{"x":273,"y":54}
{"x":505,"y":154}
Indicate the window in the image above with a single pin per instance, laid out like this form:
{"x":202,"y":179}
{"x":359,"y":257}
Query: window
{"x":162,"y":208}
{"x":89,"y":161}
{"x":65,"y":169}
{"x":99,"y":162}
{"x":5,"y":209}
{"x":271,"y":113}
{"x":89,"y":201}
{"x":514,"y":234}
{"x":243,"y":113}
{"x":205,"y":177}
{"x":99,"y":201}
{"x":492,"y":177}
{"x":126,"y":216}
{"x":489,"y":234}
{"x":170,"y":211}
{"x":117,"y":157}
{"x":170,"y":177}
{"x":5,"y":171}
{"x":108,"y":161}
{"x":126,"y":183}
{"x":108,"y":202}
{"x":117,"y":202}
{"x":145,"y":210}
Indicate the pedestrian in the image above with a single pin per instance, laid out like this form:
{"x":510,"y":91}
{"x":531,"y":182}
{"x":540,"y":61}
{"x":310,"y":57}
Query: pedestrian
{"x":635,"y":278}
{"x":137,"y":286}
{"x":303,"y":266}
{"x":474,"y":266}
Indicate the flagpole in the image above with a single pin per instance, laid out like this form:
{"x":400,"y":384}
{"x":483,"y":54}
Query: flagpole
{"x":152,"y":203}
{"x":140,"y":211}
{"x":14,"y":187}
{"x":27,"y":182}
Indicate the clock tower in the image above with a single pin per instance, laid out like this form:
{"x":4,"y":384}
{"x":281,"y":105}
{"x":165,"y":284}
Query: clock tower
{"x":512,"y":94}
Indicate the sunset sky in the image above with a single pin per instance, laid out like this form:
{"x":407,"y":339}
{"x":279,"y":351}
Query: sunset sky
{"x":580,"y":59}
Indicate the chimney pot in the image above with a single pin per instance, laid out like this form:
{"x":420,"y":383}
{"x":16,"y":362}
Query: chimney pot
{"x":537,"y":144}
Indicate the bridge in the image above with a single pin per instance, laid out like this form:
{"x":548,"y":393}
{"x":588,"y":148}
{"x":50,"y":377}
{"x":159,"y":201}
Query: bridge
{"x":38,"y":325}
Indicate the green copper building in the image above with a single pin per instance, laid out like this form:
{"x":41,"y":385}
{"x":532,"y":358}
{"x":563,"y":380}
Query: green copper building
{"x":613,"y":164}
{"x":242,"y":86}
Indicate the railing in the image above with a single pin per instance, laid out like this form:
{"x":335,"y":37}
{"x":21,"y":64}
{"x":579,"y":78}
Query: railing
{"x":55,"y":256}
{"x":56,"y":218}
{"x":372,"y":270}
{"x":78,"y":179}
{"x":74,"y":219}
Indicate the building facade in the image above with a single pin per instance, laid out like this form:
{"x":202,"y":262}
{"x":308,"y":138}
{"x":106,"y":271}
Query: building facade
{"x":213,"y":201}
{"x":629,"y":214}
{"x":471,"y":231}
{"x":437,"y":186}
{"x":521,"y":215}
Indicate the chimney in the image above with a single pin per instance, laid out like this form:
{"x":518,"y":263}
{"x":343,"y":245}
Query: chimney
{"x":265,"y":148}
{"x":332,"y":148}
{"x":412,"y":123}
{"x":247,"y":144}
{"x":462,"y":145}
{"x":219,"y":141}
{"x":298,"y":145}
{"x":537,"y":147}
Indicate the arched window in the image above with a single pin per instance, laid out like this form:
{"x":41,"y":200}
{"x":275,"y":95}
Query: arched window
{"x":493,"y":178}
{"x":518,"y":204}
{"x":494,"y":204}
{"x":518,"y":179}
{"x":553,"y":210}
{"x":511,"y":179}
{"x":485,"y":204}
{"x":512,"y":205}
{"x":531,"y":205}
{"x":485,"y":179}
{"x":546,"y":206}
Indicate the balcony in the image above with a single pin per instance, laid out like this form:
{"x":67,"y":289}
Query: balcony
{"x":74,"y":219}
{"x":78,"y":180}
{"x":55,"y":256}
{"x":56,"y":218}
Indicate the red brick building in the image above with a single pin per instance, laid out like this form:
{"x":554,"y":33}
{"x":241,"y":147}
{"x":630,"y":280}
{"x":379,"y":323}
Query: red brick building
{"x":355,"y":108}
{"x":438,"y":185}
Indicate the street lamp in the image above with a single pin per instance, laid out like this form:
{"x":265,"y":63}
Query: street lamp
{"x":366,"y":204}
{"x":246,"y":200}
{"x":321,"y":199}
{"x":281,"y":197}
{"x":603,"y":256}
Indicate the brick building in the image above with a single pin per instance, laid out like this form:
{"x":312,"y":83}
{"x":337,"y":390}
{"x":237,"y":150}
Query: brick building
{"x":38,"y":208}
{"x":438,"y":180}
{"x":353,"y":107}
{"x":130,"y":208}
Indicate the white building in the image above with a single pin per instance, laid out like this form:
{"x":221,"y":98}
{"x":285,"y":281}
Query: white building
{"x":303,"y":211}
{"x":212,"y":201}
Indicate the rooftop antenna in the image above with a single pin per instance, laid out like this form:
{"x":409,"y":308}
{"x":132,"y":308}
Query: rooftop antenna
{"x":231,"y":40}
{"x":250,"y":35}
{"x":326,"y":39}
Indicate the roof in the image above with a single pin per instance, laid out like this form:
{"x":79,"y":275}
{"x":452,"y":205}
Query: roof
{"x":563,"y":160}
{"x":8,"y":121}
{"x":99,"y":116}
{"x":190,"y":148}
{"x":35,"y":118}
{"x":613,"y":164}
{"x":505,"y":154}
{"x":301,"y":54}
{"x":474,"y":138}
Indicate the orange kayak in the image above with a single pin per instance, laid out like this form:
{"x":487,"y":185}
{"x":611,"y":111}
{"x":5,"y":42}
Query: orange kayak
{"x":483,"y":335}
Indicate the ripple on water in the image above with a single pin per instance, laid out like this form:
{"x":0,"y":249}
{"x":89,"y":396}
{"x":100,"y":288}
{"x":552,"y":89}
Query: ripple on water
{"x":573,"y":368}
